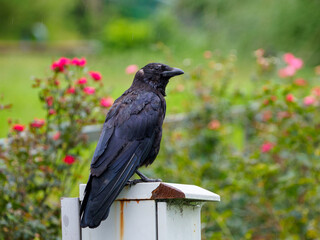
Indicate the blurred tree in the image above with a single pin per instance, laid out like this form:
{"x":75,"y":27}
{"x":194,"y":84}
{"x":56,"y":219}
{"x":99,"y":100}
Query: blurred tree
{"x":247,"y":25}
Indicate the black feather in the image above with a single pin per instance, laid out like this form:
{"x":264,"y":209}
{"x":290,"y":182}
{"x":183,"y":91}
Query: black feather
{"x":130,"y":138}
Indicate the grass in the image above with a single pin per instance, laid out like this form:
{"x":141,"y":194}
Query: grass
{"x":17,"y":71}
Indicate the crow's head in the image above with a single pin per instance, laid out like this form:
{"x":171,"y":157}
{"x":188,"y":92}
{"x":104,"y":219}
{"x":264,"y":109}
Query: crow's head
{"x":157,"y":75}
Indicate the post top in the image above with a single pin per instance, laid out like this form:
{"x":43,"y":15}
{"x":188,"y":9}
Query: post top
{"x":161,"y":190}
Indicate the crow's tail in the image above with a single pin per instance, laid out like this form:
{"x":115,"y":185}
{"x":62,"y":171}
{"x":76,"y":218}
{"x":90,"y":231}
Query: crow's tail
{"x":102,"y":191}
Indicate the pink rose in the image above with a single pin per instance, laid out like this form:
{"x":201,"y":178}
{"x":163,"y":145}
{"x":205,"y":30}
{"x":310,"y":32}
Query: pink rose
{"x":266,"y":147}
{"x":89,"y":90}
{"x":290,"y":98}
{"x":56,"y":136}
{"x":316,"y":91}
{"x":300,"y":82}
{"x":287,"y":57}
{"x":292,"y":61}
{"x":131,"y":69}
{"x":37,"y":123}
{"x":283,"y":114}
{"x":309,"y":100}
{"x":259,"y":53}
{"x":266,"y":115}
{"x":288,"y":71}
{"x":106,"y":102}
{"x":207,"y":54}
{"x":214,"y":125}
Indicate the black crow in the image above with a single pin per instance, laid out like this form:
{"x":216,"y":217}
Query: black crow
{"x":130,"y":138}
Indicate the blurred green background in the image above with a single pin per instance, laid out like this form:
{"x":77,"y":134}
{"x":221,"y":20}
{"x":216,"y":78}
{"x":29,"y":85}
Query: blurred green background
{"x":114,"y":34}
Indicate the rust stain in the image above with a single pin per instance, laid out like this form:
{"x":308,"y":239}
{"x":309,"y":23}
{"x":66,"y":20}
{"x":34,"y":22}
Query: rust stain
{"x":138,"y":201}
{"x":121,"y":220}
{"x":167,"y":192}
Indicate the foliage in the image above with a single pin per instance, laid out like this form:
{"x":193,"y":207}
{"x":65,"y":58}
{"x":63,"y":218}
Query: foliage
{"x":258,"y":149}
{"x":241,"y":25}
{"x":41,"y":162}
{"x":247,"y":25}
{"x":137,"y":33}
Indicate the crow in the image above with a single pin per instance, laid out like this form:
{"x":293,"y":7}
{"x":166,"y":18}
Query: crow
{"x":130,"y":138}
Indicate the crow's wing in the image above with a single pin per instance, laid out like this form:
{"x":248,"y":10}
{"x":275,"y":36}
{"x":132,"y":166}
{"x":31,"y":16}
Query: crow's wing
{"x":124,"y":144}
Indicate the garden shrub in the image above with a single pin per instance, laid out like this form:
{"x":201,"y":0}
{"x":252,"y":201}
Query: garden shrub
{"x":136,"y":33}
{"x":258,"y":149}
{"x":256,"y":145}
{"x":42,"y":162}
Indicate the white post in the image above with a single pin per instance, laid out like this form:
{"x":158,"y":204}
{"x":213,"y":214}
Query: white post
{"x":153,"y":211}
{"x":70,"y":219}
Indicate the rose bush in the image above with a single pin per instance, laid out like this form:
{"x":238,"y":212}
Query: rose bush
{"x":43,"y":160}
{"x":257,"y":145}
{"x":259,"y":149}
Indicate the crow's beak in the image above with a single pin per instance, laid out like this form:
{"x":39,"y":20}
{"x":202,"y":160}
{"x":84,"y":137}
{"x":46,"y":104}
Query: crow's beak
{"x":172,"y":73}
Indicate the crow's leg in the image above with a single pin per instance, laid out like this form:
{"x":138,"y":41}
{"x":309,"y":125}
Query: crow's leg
{"x":146,"y":179}
{"x":133,"y":182}
{"x":143,"y":179}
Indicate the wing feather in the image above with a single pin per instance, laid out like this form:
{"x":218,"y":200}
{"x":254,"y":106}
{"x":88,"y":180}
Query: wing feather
{"x":124,"y":144}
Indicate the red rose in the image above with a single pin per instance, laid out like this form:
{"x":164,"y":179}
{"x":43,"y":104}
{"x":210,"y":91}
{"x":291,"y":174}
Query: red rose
{"x":18,"y":127}
{"x":69,"y":159}
{"x":52,"y":111}
{"x":95,"y":75}
{"x":49,"y":101}
{"x":300,"y":82}
{"x":63,"y":61}
{"x":82,"y":81}
{"x":71,"y":90}
{"x":59,"y":65}
{"x":79,"y":62}
{"x":290,"y":98}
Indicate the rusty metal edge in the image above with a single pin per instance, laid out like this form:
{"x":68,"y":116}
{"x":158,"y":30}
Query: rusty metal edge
{"x":164,"y":191}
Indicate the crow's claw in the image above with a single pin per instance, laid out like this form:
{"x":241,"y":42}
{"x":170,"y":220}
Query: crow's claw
{"x":133,"y":182}
{"x":146,"y":179}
